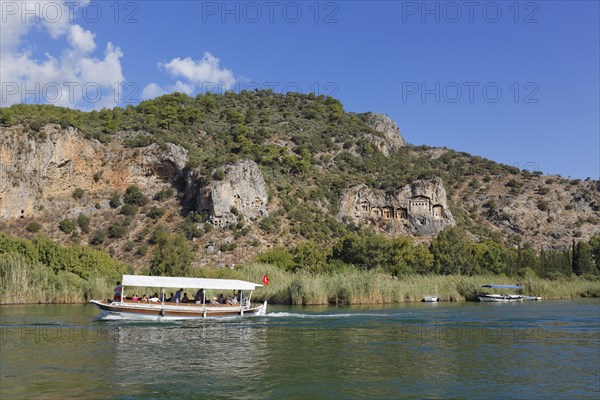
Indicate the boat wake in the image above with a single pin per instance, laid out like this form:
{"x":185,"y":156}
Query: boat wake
{"x":340,"y":315}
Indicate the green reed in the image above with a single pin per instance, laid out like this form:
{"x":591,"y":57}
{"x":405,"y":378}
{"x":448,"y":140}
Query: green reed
{"x":27,"y":281}
{"x":376,"y":287}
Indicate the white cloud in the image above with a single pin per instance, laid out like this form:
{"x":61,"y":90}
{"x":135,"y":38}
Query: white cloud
{"x":195,"y":76}
{"x":187,"y":88}
{"x":205,"y":70}
{"x":74,"y":78}
{"x":151,"y":91}
{"x":19,"y":17}
{"x":81,"y":39}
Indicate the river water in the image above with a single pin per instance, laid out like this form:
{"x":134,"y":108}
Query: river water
{"x":530,"y":350}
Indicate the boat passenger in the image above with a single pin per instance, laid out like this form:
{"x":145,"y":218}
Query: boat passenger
{"x":221,"y":299}
{"x":118,"y":290}
{"x":240,"y":297}
{"x":178,"y":295}
{"x":171,"y":298}
{"x":154,"y":299}
{"x":214,"y":301}
{"x":134,"y":297}
{"x":145,"y":298}
{"x":232,"y":300}
{"x":199,"y":297}
{"x":185,"y":298}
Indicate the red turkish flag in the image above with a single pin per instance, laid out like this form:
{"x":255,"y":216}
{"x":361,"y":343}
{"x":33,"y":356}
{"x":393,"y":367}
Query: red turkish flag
{"x":265,"y":279}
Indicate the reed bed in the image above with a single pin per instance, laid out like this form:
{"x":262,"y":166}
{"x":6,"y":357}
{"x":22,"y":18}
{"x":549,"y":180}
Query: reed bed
{"x":374,"y":287}
{"x":24,"y":281}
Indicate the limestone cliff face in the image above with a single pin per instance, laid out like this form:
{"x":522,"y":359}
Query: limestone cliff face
{"x":548,"y":218}
{"x":391,"y":140}
{"x":242,"y":191}
{"x":418,"y":208}
{"x":40,"y":171}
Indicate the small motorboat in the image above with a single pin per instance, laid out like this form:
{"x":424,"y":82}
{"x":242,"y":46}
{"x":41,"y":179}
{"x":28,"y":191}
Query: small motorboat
{"x":501,"y":298}
{"x":532,"y":298}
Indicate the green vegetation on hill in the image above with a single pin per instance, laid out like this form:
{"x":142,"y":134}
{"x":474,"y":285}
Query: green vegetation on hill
{"x":293,"y":137}
{"x":286,"y":134}
{"x":309,"y":150}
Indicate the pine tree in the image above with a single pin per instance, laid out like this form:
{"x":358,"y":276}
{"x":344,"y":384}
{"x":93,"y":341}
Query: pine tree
{"x":583,"y":262}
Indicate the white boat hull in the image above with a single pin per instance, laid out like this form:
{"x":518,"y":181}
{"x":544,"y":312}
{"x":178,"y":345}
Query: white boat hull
{"x":172,"y":312}
{"x":499,"y":298}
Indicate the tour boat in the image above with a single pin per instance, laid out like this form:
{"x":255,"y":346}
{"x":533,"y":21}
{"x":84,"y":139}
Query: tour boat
{"x":430,"y":299}
{"x":127,"y":308}
{"x":501,"y":298}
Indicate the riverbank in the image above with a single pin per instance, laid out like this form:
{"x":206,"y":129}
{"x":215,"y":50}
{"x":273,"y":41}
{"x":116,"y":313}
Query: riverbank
{"x":42,"y":272}
{"x":373,"y":287}
{"x":28,"y":285}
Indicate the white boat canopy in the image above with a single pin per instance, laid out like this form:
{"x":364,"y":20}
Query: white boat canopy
{"x":187,"y":283}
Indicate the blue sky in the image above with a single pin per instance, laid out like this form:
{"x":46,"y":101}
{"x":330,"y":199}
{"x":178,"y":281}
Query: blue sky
{"x":516,"y":82}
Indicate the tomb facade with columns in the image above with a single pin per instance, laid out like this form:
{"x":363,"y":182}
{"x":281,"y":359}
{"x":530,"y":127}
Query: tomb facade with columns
{"x":418,"y":208}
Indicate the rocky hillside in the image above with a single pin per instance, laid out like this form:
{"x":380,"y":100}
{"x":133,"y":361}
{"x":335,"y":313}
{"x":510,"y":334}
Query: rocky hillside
{"x":241,"y":173}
